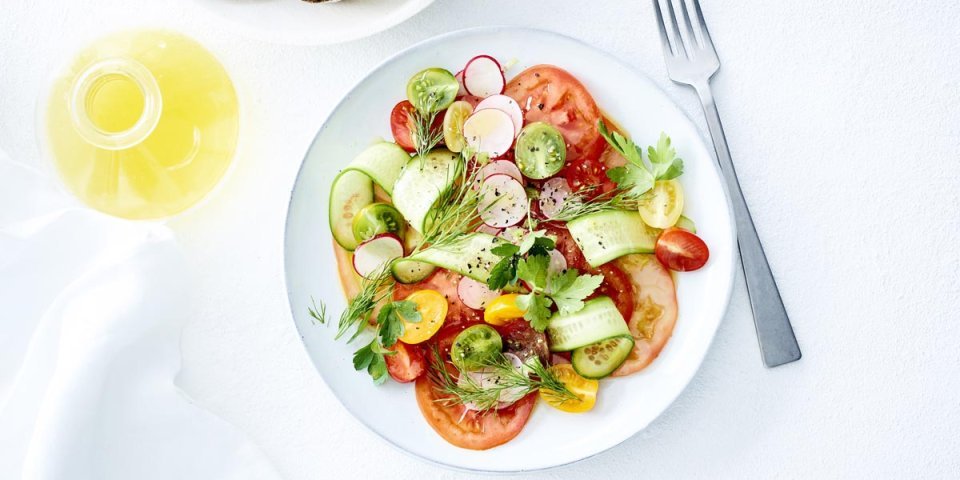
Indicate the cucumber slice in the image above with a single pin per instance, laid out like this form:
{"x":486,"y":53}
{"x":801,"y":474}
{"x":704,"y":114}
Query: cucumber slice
{"x":422,"y":182}
{"x":470,"y":256}
{"x":432,"y":90}
{"x":611,"y":234}
{"x":599,"y":319}
{"x":685,"y":223}
{"x":411,"y":271}
{"x":541,"y":151}
{"x":599,"y":360}
{"x":352,"y":189}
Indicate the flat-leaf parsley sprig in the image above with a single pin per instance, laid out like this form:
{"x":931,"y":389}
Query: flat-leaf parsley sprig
{"x":566,"y":289}
{"x":372,"y":356}
{"x":637,"y":176}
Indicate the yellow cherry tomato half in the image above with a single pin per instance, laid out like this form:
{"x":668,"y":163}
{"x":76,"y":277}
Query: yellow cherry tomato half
{"x":502,"y":310}
{"x":453,"y":119}
{"x":584,"y":388}
{"x":432,"y":306}
{"x":662,"y":206}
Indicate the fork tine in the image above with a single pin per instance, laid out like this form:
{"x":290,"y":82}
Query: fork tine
{"x":704,"y":33}
{"x":668,"y":28}
{"x":692,"y":42}
{"x":664,"y":39}
{"x":675,"y":37}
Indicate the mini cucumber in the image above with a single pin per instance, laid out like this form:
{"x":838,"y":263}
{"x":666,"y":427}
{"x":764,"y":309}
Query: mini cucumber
{"x":599,"y":319}
{"x":352,"y":189}
{"x":611,"y":234}
{"x":423,"y":181}
{"x":599,"y":360}
{"x":470,"y":256}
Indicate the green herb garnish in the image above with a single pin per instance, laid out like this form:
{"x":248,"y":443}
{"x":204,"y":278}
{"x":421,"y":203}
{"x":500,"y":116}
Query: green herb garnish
{"x":637,"y":176}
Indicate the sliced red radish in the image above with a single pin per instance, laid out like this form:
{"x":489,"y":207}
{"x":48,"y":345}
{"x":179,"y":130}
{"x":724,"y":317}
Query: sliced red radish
{"x":557,"y":262}
{"x":553,"y":195}
{"x":372,"y":256}
{"x":490,"y":131}
{"x":507,"y":105}
{"x":462,"y":91}
{"x":483,"y":76}
{"x":503,"y":201}
{"x":474,"y":294}
{"x":487,"y":378}
{"x":505,"y":167}
{"x":484,"y":228}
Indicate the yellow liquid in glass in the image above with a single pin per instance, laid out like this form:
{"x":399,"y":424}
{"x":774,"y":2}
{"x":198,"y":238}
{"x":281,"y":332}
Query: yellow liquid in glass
{"x":143,"y":124}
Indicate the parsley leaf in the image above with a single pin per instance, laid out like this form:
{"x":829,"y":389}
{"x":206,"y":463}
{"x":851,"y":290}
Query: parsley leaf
{"x":505,"y":250}
{"x":390,"y":323}
{"x":536,"y":308}
{"x":533,"y":270}
{"x":569,"y":289}
{"x":636,"y":176}
{"x":663,"y":159}
{"x":370,"y":358}
{"x":542,"y":246}
{"x":503,"y":273}
{"x":408,"y":311}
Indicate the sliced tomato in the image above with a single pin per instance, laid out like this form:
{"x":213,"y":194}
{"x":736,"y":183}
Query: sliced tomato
{"x":681,"y":250}
{"x":655,"y":310}
{"x":402,"y":126}
{"x":471,"y":429}
{"x":616,"y":285}
{"x":407,"y":363}
{"x":520,"y":339}
{"x":550,"y":94}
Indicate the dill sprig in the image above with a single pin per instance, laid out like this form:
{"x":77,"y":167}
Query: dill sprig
{"x":586,"y":202}
{"x":319,"y":315}
{"x":425,"y":137}
{"x":457,"y":211}
{"x":532,"y":377}
{"x":372,"y":291}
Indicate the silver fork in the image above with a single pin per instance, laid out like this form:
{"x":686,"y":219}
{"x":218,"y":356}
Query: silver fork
{"x":691,"y":60}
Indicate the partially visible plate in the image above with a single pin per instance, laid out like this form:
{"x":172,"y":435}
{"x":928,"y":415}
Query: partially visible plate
{"x":304,"y":23}
{"x":551,"y":438}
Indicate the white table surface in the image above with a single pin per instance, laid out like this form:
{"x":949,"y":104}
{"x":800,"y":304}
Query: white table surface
{"x":844,"y":121}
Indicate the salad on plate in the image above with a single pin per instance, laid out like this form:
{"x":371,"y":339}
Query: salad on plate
{"x":511,"y":246}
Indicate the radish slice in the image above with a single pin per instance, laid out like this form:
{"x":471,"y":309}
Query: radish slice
{"x":503,"y":201}
{"x":372,"y":256}
{"x":490,"y":131}
{"x":462,"y":91}
{"x":484,"y":228}
{"x":513,"y":235}
{"x":495,"y":167}
{"x":483,"y":77}
{"x":507,"y":105}
{"x":557,"y":262}
{"x":487,"y":378}
{"x":553,"y":195}
{"x":474,"y":294}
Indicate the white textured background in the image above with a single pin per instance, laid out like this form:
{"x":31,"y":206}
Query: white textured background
{"x":844,"y":122}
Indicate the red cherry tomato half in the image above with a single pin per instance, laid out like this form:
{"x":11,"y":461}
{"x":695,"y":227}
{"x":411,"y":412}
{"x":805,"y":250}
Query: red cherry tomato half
{"x":681,"y":250}
{"x":402,"y":126}
{"x":407,"y":364}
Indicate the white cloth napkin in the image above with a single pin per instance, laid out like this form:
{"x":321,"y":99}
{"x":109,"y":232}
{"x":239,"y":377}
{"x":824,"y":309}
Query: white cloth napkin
{"x":91,"y":309}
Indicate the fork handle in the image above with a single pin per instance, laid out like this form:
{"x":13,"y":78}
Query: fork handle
{"x":778,"y":344}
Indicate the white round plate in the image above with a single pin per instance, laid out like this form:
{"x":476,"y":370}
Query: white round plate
{"x":304,"y":23}
{"x":551,"y":438}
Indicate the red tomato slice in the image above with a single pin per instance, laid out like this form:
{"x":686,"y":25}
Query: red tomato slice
{"x":402,"y":126}
{"x":616,"y":285}
{"x":520,"y":339}
{"x":445,"y":282}
{"x":654,"y":313}
{"x":550,"y":94}
{"x":681,"y":250}
{"x":407,"y":364}
{"x":472,"y":430}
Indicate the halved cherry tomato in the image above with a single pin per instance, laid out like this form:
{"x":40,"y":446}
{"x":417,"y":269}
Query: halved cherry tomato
{"x":681,"y":250}
{"x":401,"y":124}
{"x":445,"y":282}
{"x":502,"y":310}
{"x":433,"y":311}
{"x":585,"y":389}
{"x":471,"y":429}
{"x":661,"y":207}
{"x":407,"y":363}
{"x":550,"y":94}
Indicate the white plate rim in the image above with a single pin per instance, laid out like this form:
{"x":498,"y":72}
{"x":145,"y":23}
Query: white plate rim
{"x":303,"y":39}
{"x":734,"y":252}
